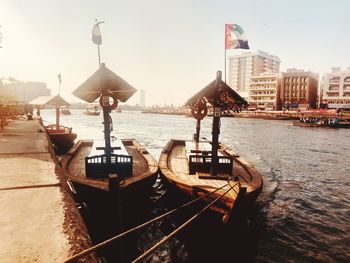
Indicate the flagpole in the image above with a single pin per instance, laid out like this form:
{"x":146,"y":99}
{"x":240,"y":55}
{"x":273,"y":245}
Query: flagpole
{"x":99,"y":57}
{"x":225,"y":59}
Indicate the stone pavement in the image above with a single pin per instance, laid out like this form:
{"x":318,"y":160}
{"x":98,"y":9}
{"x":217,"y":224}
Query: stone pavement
{"x":39,"y":221}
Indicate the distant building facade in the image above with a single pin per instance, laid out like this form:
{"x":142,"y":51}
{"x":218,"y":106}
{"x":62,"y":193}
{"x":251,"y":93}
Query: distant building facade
{"x":299,"y":89}
{"x":264,"y":92}
{"x":242,"y":67}
{"x":25,"y":91}
{"x":142,"y":98}
{"x":335,"y":89}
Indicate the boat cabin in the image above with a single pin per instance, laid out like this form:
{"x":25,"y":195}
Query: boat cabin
{"x":98,"y":164}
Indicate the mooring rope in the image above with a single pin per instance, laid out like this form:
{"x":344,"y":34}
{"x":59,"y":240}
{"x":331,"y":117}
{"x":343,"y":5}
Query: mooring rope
{"x":121,"y":235}
{"x":180,"y":228}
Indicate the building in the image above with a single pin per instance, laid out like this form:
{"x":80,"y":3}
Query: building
{"x":243,"y":66}
{"x":335,"y":89}
{"x":264,"y":92}
{"x":25,"y":91}
{"x":299,"y":89}
{"x":142,"y":98}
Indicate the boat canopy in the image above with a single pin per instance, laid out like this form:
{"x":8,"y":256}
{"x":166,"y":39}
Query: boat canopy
{"x":105,"y":79}
{"x":227,"y":96}
{"x":42,"y":101}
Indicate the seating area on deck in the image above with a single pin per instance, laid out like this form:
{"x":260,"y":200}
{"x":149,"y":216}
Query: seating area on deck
{"x":200,"y":158}
{"x":97,"y":164}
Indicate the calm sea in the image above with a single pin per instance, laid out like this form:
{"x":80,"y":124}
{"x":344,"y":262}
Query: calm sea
{"x":302,"y":214}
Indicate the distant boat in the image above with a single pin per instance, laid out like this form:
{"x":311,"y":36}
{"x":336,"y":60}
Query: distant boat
{"x":322,"y":122}
{"x":322,"y":118}
{"x":65,"y":111}
{"x":92,"y":110}
{"x":119,"y":110}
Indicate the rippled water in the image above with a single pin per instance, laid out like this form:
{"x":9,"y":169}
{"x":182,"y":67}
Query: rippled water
{"x":303,"y":213}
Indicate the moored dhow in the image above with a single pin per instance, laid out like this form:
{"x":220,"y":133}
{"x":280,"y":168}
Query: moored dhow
{"x":111,"y":163}
{"x":197,"y":167}
{"x":61,"y":136}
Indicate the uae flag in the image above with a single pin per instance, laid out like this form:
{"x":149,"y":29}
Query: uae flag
{"x":235,"y":37}
{"x":96,"y":34}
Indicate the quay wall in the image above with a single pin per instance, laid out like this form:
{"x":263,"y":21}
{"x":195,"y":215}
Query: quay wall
{"x":39,"y":221}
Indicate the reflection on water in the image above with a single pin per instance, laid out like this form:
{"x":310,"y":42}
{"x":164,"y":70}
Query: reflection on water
{"x":303,"y":213}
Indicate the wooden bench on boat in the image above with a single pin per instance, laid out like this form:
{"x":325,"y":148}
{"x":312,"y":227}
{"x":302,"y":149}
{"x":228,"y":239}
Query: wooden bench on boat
{"x":97,"y":164}
{"x":200,"y":158}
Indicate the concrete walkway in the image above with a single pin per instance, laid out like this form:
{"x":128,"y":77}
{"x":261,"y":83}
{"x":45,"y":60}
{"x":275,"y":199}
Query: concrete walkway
{"x":39,"y":221}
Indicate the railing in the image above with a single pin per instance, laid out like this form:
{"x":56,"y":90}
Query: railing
{"x":99,"y":165}
{"x":203,"y":163}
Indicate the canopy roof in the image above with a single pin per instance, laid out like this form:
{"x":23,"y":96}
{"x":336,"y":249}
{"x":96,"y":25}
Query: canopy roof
{"x":49,"y":100}
{"x":104,"y":78}
{"x":228,"y":98}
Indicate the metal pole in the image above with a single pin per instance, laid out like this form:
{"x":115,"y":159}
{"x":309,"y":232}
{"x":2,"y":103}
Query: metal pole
{"x":225,"y":59}
{"x":57,"y":118}
{"x":216,"y":127}
{"x":198,"y":128}
{"x":99,"y":57}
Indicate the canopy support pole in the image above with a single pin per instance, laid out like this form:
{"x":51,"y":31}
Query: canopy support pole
{"x":216,"y":126}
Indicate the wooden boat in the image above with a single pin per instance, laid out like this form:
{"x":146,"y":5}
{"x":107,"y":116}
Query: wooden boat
{"x":186,"y":164}
{"x":65,"y":111}
{"x":92,"y":110}
{"x":109,"y":164}
{"x":197,"y":167}
{"x":322,"y":122}
{"x":139,"y":176}
{"x":61,"y":137}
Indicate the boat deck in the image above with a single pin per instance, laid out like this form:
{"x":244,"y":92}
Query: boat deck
{"x":178,"y":163}
{"x":143,"y":165}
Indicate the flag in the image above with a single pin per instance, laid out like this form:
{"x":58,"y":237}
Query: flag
{"x":235,"y":37}
{"x":59,"y":78}
{"x":96,"y":34}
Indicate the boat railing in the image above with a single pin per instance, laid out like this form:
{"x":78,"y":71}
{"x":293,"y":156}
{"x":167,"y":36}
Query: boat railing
{"x":202,"y":163}
{"x":99,"y":166}
{"x":61,"y":129}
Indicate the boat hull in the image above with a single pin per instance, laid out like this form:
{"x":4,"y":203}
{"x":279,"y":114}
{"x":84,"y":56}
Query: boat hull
{"x":92,"y":113}
{"x":344,"y":125}
{"x":174,"y":166}
{"x":145,"y":168}
{"x":62,"y":141}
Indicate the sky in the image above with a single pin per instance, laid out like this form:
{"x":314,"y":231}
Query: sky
{"x":170,"y":49}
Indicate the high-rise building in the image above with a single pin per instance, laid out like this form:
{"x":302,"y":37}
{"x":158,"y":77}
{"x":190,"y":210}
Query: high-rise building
{"x":264,"y":92}
{"x":299,"y":89}
{"x":142,"y":98}
{"x":335,"y":88}
{"x":243,"y":66}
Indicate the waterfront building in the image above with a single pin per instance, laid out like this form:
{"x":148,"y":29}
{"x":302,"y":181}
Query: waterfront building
{"x":264,"y":92}
{"x":243,"y":66}
{"x":335,"y":89}
{"x":24,"y":91}
{"x":142,"y":98}
{"x":299,"y":89}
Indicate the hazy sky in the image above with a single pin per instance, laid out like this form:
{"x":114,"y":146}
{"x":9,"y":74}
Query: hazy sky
{"x":171,"y":49}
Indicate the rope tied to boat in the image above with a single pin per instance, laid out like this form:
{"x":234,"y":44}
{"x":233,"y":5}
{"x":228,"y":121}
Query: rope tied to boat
{"x":180,"y":228}
{"x":121,"y":235}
